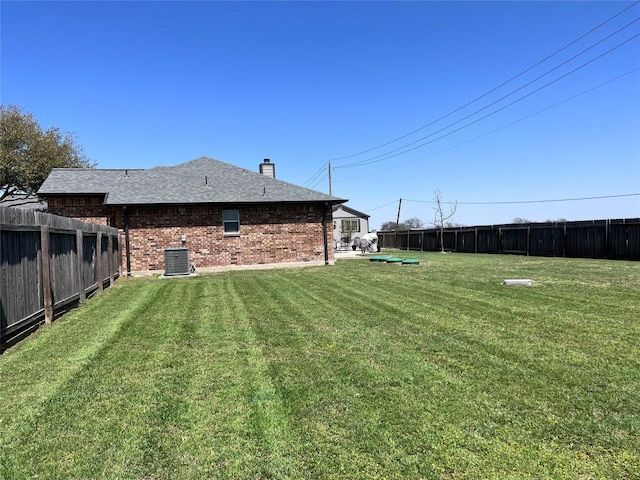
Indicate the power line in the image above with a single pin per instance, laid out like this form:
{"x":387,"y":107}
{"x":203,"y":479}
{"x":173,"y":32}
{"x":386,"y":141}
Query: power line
{"x":319,"y":180}
{"x":386,"y":156}
{"x":315,"y":175}
{"x":514,"y":202}
{"x":382,"y":206}
{"x":584,"y":92}
{"x":492,"y":90}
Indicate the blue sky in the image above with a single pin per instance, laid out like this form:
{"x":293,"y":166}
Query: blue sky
{"x":144,"y":84}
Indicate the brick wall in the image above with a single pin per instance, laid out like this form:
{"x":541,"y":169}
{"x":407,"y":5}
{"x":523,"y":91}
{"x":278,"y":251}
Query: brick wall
{"x":88,"y":208}
{"x":268,"y":233}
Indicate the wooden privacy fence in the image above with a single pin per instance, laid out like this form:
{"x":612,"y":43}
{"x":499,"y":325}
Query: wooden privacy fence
{"x":614,"y":239}
{"x":48,"y":264}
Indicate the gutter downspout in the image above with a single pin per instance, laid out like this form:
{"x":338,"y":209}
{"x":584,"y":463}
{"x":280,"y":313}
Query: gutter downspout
{"x":126,"y":239}
{"x":324,"y":234}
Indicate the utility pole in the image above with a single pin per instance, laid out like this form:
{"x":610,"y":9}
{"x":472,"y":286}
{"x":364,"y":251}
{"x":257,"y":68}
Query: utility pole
{"x":395,"y":232}
{"x":330,"y":178}
{"x":398,"y":218}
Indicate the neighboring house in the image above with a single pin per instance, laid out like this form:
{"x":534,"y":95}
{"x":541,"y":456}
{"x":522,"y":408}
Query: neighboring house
{"x":224,"y":215}
{"x":24,"y":201}
{"x":348,"y":224}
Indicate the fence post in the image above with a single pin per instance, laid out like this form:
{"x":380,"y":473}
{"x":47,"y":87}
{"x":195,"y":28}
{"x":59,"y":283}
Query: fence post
{"x":79,"y":258}
{"x":607,"y":225}
{"x":475,"y":241}
{"x":46,"y":274}
{"x":99,"y":272}
{"x":110,"y":258}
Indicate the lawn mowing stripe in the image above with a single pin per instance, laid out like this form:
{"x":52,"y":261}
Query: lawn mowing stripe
{"x":79,"y":397}
{"x":364,"y":378}
{"x":333,"y":422}
{"x":56,"y":370}
{"x":356,"y":309}
{"x":269,"y":417}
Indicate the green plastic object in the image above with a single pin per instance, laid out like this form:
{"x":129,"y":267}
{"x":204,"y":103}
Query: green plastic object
{"x":410,"y":261}
{"x":378,"y":258}
{"x":394,"y":260}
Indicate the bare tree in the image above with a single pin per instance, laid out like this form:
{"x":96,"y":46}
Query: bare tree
{"x":442,"y":215}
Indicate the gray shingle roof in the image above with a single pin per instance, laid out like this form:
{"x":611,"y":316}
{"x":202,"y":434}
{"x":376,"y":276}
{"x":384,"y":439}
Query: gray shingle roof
{"x":203,"y":180}
{"x":350,"y":210}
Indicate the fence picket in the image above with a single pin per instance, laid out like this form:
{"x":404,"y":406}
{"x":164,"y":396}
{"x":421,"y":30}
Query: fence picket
{"x":48,"y":263}
{"x":615,"y":239}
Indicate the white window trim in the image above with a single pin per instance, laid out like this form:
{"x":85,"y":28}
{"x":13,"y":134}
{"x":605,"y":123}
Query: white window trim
{"x":342,"y":224}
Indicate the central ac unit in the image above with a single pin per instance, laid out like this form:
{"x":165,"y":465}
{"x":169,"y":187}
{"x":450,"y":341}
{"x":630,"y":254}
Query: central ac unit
{"x":176,"y":261}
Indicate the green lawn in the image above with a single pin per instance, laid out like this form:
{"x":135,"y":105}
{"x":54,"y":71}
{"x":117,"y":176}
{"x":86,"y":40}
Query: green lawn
{"x":359,"y":370}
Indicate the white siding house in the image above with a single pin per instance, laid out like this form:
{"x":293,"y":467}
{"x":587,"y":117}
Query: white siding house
{"x":348,"y":224}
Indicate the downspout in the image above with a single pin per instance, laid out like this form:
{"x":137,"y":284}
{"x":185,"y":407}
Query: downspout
{"x":126,"y":239}
{"x":324,"y":234}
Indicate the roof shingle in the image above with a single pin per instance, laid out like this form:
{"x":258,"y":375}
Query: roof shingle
{"x":203,"y":180}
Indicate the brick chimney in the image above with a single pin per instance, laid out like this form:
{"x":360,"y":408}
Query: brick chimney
{"x":267,"y":168}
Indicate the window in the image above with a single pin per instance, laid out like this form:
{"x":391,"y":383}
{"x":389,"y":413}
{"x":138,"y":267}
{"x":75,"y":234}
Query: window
{"x":231,"y":221}
{"x":351,"y":225}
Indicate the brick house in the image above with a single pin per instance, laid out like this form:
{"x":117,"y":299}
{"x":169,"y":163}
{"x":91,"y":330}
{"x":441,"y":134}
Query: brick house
{"x":224,"y":215}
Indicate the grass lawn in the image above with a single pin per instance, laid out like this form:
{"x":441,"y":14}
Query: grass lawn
{"x":358,"y":371}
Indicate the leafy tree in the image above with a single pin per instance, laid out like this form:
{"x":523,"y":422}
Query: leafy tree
{"x":442,"y":215}
{"x":391,"y":225}
{"x":28,"y":153}
{"x":414,"y":222}
{"x":407,"y":224}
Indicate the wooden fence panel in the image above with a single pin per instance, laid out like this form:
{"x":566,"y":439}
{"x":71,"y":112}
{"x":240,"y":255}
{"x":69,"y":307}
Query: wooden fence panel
{"x":488,"y":240}
{"x":64,"y":270}
{"x":515,"y":240}
{"x":402,"y":241}
{"x":89,"y":269}
{"x":104,"y":257}
{"x":36,"y":284}
{"x":615,"y":239}
{"x":20,"y":266}
{"x":449,"y":241}
{"x":586,"y":241}
{"x":431,"y":241}
{"x":547,"y":241}
{"x":624,"y":241}
{"x":114,"y":263}
{"x":466,"y":241}
{"x":415,"y":240}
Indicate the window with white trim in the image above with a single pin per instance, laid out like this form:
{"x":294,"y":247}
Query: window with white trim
{"x":231,"y":221}
{"x":351,"y":225}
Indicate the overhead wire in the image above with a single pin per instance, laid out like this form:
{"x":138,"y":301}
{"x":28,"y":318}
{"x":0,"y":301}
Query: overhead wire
{"x":319,"y":180}
{"x":584,"y":92}
{"x":514,"y":202}
{"x":387,"y":155}
{"x":493,"y":89}
{"x":315,"y":175}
